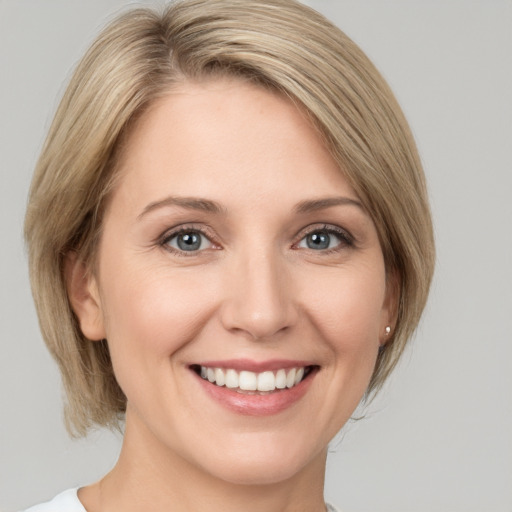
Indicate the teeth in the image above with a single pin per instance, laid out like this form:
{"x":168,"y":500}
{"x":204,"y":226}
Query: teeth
{"x":266,"y":381}
{"x":220,"y":378}
{"x":280,"y":379}
{"x":290,"y":378}
{"x":231,"y":378}
{"x":250,"y":381}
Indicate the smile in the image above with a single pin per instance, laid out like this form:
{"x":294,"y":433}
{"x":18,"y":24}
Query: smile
{"x":247,"y":381}
{"x":253,"y":388}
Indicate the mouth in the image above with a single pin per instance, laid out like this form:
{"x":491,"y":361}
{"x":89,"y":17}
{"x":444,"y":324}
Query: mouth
{"x":254,"y":383}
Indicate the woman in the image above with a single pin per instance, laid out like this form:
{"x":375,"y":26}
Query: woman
{"x":230,"y":244}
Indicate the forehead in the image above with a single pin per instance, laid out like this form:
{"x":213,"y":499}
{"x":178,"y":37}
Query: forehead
{"x":225,"y":136}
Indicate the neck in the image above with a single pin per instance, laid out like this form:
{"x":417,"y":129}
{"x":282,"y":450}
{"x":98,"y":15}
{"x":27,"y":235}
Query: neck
{"x":148,"y":476}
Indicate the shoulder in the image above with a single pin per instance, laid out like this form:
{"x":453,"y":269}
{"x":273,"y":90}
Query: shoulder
{"x":66,"y":501}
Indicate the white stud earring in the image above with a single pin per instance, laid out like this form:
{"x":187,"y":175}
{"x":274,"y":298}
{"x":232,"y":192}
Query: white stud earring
{"x":388,"y":330}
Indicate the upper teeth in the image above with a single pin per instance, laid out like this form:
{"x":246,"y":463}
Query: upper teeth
{"x":250,"y":381}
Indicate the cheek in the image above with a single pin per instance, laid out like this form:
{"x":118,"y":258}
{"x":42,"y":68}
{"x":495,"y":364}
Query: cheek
{"x":152,"y":312}
{"x":348,"y":311}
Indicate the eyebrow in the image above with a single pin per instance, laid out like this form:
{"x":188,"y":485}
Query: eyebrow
{"x":207,"y":205}
{"x":189,"y":203}
{"x":326,"y":202}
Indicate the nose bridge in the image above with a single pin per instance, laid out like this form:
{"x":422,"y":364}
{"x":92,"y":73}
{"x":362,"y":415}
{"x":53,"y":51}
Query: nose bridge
{"x":260,"y":302}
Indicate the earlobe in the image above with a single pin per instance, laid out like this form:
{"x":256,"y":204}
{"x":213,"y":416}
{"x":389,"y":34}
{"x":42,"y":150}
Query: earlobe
{"x":84,"y":297}
{"x":390,"y":307}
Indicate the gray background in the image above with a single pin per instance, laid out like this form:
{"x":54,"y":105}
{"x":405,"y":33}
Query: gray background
{"x":440,"y":436}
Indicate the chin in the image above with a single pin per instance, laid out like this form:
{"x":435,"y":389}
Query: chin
{"x":254,"y":473}
{"x":265,"y":465}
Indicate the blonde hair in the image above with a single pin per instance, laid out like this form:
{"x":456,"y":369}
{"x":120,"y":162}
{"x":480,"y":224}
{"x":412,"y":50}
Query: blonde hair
{"x":280,"y":44}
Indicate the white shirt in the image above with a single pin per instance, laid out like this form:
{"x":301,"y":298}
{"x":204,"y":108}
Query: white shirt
{"x":68,"y":501}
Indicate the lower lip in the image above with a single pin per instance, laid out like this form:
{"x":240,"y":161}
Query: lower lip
{"x":257,"y":405}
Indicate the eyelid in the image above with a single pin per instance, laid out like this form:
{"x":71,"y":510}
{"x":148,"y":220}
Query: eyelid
{"x":345,"y":236}
{"x":163,"y":240}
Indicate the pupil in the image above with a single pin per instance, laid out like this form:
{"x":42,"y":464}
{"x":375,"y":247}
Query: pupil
{"x":189,"y":241}
{"x":318,"y":241}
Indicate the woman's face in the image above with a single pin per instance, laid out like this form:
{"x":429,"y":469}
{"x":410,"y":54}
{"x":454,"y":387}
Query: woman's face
{"x":234,"y":250}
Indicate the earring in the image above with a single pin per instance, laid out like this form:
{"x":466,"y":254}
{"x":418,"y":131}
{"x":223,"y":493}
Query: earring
{"x":388,"y":330}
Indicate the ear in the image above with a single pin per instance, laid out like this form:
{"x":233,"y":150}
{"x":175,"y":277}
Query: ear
{"x":389,"y":312}
{"x":84,"y":297}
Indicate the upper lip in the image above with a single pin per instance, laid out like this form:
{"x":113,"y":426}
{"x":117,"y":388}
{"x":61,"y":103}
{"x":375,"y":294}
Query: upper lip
{"x":254,"y":366}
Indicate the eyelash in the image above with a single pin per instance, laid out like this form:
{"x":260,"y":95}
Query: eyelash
{"x":346,"y":239}
{"x":190,"y":228}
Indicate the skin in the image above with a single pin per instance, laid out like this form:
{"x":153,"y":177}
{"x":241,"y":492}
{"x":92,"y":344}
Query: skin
{"x":254,"y":289}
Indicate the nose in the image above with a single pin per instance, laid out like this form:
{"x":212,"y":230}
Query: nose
{"x":259,"y":300}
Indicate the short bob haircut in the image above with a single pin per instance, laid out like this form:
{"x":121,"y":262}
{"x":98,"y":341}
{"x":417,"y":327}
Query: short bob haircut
{"x":281,"y":45}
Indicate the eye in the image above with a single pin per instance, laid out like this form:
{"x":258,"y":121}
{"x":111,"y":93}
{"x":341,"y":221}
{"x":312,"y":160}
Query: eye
{"x":188,"y":241}
{"x":325,"y":239}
